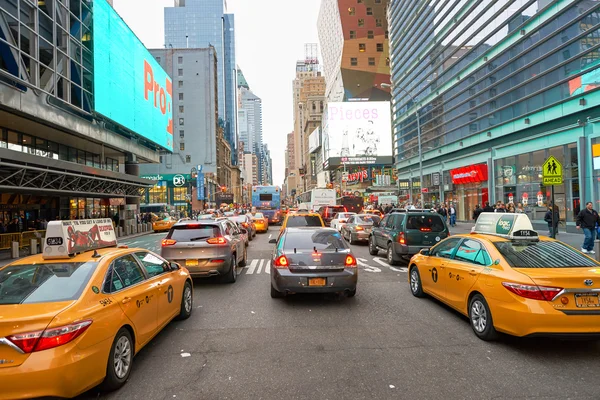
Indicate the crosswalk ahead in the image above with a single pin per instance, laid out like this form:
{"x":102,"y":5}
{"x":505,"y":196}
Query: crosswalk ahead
{"x":375,"y":265}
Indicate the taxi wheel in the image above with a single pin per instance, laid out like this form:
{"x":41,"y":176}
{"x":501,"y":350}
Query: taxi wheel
{"x":119,"y":361}
{"x":187,"y":300}
{"x":373,"y":250}
{"x":481,"y":318}
{"x":416,"y":288}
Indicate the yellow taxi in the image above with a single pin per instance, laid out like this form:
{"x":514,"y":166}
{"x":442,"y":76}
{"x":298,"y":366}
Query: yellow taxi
{"x":163,"y":225}
{"x":505,"y":278}
{"x":261,"y":221}
{"x":75,"y":316}
{"x":301,"y":219}
{"x":373,"y":212}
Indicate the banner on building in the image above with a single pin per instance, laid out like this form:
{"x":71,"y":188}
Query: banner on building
{"x":200,"y":186}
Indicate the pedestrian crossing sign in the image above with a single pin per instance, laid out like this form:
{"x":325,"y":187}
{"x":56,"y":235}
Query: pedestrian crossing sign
{"x":552,"y":172}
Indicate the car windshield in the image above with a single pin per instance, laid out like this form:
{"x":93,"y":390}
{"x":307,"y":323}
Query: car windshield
{"x":542,"y":254}
{"x":367,"y":219}
{"x":259,"y":215}
{"x":309,"y":240}
{"x":44,"y":283}
{"x":191,"y":233}
{"x":303,"y":220}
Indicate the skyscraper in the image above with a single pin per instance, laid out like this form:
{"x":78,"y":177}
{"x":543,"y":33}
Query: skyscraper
{"x":204,"y":23}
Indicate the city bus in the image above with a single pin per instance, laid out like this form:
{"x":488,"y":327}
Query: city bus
{"x":315,"y":199}
{"x":267,"y":200}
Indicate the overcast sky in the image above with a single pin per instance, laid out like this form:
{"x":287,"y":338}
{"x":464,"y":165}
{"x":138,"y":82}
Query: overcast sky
{"x":270,"y":38}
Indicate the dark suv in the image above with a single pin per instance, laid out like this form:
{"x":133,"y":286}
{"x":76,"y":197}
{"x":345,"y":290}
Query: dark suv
{"x":327,"y":213}
{"x":403,"y":233}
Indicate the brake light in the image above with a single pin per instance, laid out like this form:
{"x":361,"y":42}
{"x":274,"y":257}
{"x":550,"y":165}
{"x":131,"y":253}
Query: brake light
{"x":217,"y":240}
{"x":50,"y":338}
{"x":533,"y":292}
{"x":245,"y":224}
{"x":425,"y":229}
{"x":359,"y":228}
{"x":345,"y":209}
{"x":281,"y":262}
{"x":168,"y":242}
{"x":401,"y":238}
{"x":350,"y":261}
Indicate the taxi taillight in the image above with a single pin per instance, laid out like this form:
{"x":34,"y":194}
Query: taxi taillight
{"x":168,"y":242}
{"x":533,"y":292}
{"x":281,"y":262}
{"x":43,"y":340}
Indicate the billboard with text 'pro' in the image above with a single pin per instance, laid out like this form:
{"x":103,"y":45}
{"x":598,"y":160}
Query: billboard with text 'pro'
{"x":130,"y":87}
{"x":357,"y":129}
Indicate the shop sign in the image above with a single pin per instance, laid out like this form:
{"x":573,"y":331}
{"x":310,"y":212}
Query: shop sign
{"x":178,"y":180}
{"x":359,"y":176}
{"x":435,"y":178}
{"x":470,"y":174}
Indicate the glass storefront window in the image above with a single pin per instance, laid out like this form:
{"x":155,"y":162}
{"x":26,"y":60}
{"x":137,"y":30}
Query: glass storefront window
{"x":158,"y":193}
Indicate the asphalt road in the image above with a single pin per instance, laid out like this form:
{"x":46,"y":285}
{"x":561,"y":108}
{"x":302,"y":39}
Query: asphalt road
{"x":382,"y":344}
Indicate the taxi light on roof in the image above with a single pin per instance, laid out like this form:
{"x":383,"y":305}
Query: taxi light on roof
{"x":66,"y":238}
{"x":508,"y":225}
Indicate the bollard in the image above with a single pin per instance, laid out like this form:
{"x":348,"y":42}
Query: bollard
{"x":14,"y":250}
{"x":33,"y":246}
{"x":139,"y":228}
{"x":597,"y":249}
{"x":120,"y":231}
{"x":149,"y":226}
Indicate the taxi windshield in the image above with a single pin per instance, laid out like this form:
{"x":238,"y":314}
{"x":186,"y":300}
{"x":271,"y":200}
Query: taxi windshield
{"x":258,"y":215}
{"x":45,"y":283}
{"x":542,"y":254}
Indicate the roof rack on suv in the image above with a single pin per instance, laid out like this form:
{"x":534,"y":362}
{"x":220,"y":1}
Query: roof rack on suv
{"x":404,"y":210}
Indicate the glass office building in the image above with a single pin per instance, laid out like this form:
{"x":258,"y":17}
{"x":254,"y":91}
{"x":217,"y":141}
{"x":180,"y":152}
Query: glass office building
{"x":200,"y":24}
{"x":493,"y":89}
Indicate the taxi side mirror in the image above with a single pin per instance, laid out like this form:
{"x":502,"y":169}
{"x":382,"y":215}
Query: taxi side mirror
{"x":273,"y":241}
{"x":424,"y":252}
{"x":174,"y":266}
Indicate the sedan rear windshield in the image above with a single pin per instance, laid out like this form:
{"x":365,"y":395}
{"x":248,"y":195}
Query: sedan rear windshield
{"x":303,"y":220}
{"x":309,"y":240}
{"x":192,"y":233}
{"x":46,"y":283}
{"x":367,"y":219}
{"x":543,"y":254}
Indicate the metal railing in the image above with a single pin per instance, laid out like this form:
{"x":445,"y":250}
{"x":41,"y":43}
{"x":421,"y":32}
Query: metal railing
{"x":6,"y":239}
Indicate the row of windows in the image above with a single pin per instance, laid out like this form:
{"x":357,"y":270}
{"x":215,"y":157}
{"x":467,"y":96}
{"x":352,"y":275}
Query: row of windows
{"x":378,"y":22}
{"x":370,"y":34}
{"x":352,"y":10}
{"x":362,"y":47}
{"x":17,"y":141}
{"x":354,"y":61}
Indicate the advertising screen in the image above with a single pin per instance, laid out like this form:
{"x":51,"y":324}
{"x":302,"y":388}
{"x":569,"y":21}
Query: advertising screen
{"x":130,"y":87}
{"x":314,"y":140}
{"x":359,"y":131}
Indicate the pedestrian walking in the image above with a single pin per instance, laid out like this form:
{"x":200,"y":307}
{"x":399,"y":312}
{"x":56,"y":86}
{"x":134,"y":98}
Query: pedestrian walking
{"x":520,"y":209}
{"x":552,"y":228}
{"x":452,"y":213}
{"x":487,"y":207}
{"x":477,"y":212}
{"x":587,"y":220}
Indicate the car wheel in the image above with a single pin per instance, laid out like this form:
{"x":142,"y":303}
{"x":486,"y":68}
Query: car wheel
{"x":120,"y":361}
{"x":350,"y":240}
{"x":390,"y":255}
{"x":416,"y":288}
{"x":373,"y":250}
{"x":232,"y":274}
{"x":244,"y":261}
{"x":351,"y":293}
{"x":275,"y":294}
{"x":187,"y":300}
{"x":481,"y":318}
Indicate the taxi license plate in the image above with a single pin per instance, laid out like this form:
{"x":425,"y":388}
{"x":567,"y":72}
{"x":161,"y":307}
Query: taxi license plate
{"x":585,"y":300}
{"x":191,"y":263}
{"x":316,"y":281}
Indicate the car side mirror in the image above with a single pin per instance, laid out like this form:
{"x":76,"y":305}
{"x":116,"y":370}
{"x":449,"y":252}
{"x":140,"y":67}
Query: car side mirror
{"x":273,"y":241}
{"x":244,"y":231}
{"x":174,"y":266}
{"x":424,"y":252}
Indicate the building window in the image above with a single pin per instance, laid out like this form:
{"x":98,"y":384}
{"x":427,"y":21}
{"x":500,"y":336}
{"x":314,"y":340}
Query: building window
{"x":160,"y":159}
{"x":179,"y":60}
{"x":180,"y":72}
{"x":377,"y":1}
{"x":380,"y":47}
{"x":181,"y":134}
{"x":180,"y":96}
{"x":180,"y":109}
{"x":180,"y":84}
{"x":378,"y":23}
{"x":351,"y":11}
{"x":158,"y":59}
{"x":387,"y":62}
{"x":352,"y":34}
{"x":181,"y":121}
{"x":361,"y":22}
{"x":354,"y":61}
{"x":370,"y":35}
{"x":362,"y":47}
{"x":369,"y":11}
{"x":372,"y":61}
{"x":387,"y":34}
{"x":188,"y":159}
{"x":182,"y":146}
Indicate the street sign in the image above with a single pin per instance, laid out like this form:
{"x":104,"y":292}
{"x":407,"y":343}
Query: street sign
{"x":344,"y":176}
{"x":552,"y":172}
{"x":425,"y":190}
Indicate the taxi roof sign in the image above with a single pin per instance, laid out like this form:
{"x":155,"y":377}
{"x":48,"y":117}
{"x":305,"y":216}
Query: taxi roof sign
{"x":66,"y":238}
{"x":508,"y":225}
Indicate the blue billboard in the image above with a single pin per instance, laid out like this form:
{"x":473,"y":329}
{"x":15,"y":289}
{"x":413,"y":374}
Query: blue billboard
{"x":130,"y":87}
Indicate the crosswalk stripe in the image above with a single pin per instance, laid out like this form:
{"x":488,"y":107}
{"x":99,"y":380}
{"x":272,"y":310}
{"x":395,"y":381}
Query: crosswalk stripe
{"x":383,"y":263}
{"x":260,"y":264}
{"x":252,"y":267}
{"x":363,"y":263}
{"x":267,"y":267}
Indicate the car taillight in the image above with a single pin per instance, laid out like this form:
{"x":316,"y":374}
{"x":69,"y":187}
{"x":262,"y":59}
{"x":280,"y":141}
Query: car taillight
{"x":50,"y":338}
{"x":359,"y":228}
{"x":533,"y":292}
{"x":401,"y":238}
{"x":425,"y":229}
{"x":217,"y":240}
{"x":245,"y":224}
{"x":168,"y":242}
{"x":350,"y":261}
{"x":281,"y":262}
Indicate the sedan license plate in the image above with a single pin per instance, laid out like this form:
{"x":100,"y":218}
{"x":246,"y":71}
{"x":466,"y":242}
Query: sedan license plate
{"x":191,"y":263}
{"x":316,"y":281}
{"x":585,"y":300}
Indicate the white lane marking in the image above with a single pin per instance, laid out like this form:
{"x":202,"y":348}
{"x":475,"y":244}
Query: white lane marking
{"x":260,"y":264}
{"x":270,"y":235}
{"x":383,"y":263}
{"x":252,"y":267}
{"x":363,"y":263}
{"x":267,"y":267}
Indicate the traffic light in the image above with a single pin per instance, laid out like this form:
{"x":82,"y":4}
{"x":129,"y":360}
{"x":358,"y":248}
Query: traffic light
{"x":223,"y":189}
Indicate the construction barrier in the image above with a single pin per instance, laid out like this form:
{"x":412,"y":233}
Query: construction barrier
{"x":24,"y":239}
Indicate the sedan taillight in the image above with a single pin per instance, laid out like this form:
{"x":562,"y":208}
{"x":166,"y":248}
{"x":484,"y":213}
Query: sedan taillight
{"x":281,"y":262}
{"x":50,"y":338}
{"x":217,"y":240}
{"x":350,"y":261}
{"x":168,"y":242}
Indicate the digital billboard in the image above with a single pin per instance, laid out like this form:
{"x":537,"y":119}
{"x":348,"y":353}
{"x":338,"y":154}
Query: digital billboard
{"x":357,"y":133}
{"x":130,"y":87}
{"x":314,"y":140}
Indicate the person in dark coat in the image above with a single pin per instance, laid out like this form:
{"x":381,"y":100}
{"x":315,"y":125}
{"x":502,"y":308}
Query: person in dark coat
{"x":587,"y":220}
{"x":477,"y":212}
{"x":552,"y":229}
{"x":487,"y":207}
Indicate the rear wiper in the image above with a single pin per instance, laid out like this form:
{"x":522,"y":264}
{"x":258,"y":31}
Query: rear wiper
{"x":198,"y":238}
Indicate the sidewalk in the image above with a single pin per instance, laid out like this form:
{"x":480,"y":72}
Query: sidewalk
{"x":5,"y":257}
